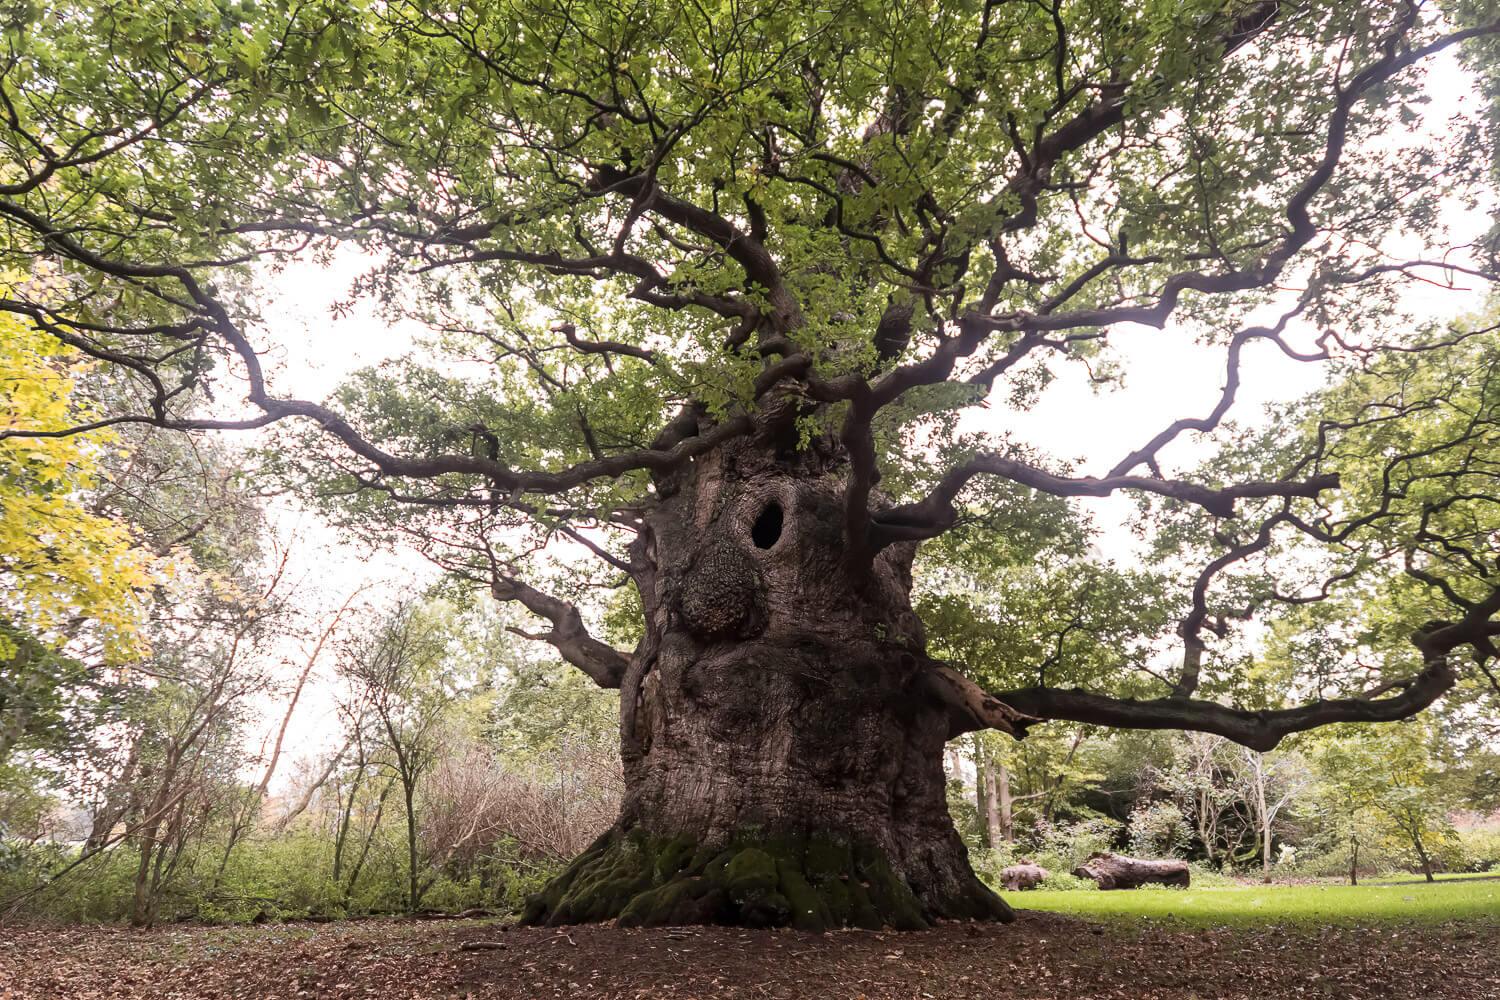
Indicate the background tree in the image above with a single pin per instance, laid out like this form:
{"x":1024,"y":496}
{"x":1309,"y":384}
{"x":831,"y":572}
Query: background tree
{"x":404,"y":674}
{"x":1199,"y":781}
{"x":733,"y":275}
{"x":66,"y":569}
{"x":1267,"y":785}
{"x":1388,"y":787}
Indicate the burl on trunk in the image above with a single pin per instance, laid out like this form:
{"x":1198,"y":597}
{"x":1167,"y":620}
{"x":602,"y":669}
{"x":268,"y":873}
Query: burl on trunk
{"x":781,"y":733}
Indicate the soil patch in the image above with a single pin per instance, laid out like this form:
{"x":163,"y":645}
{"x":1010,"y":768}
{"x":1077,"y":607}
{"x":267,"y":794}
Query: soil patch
{"x":1039,"y":956}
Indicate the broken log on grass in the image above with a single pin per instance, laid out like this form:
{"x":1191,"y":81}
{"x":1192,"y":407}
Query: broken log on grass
{"x":1116,"y":871}
{"x":1025,"y":875}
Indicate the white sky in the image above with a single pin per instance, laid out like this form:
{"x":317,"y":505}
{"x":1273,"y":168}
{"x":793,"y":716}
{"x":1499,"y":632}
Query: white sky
{"x":1167,"y":375}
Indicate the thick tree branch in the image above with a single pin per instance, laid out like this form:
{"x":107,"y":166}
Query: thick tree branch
{"x":935,"y":513}
{"x":1263,"y":730}
{"x":602,"y":662}
{"x":1259,"y":730}
{"x":971,"y":708}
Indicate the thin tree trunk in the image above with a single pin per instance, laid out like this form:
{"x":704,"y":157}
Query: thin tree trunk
{"x":1006,"y":814}
{"x":140,"y":911}
{"x":1206,"y":826}
{"x":408,"y":791}
{"x":1354,"y":859}
{"x":991,"y":806}
{"x":1265,"y":817}
{"x":341,"y":835}
{"x":364,"y":851}
{"x":1416,"y":840}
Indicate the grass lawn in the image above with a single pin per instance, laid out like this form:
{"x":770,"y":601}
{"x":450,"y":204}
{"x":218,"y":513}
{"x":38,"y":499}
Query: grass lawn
{"x":1272,"y":904}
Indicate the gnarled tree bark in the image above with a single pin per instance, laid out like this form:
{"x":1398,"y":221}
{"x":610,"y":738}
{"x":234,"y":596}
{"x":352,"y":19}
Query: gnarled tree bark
{"x":782,"y":736}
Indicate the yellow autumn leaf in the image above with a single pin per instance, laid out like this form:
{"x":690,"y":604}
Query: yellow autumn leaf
{"x":59,"y":562}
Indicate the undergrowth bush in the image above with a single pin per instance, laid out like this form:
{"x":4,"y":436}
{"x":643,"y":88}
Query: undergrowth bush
{"x":1063,"y":848}
{"x":1479,"y":849}
{"x":1063,"y":881}
{"x":274,"y":878}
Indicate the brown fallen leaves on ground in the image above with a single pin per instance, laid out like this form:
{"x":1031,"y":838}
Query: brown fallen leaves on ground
{"x":1040,"y":956}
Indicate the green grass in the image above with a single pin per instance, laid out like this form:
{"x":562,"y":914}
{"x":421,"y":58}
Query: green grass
{"x":1416,"y":902}
{"x":1440,"y":876}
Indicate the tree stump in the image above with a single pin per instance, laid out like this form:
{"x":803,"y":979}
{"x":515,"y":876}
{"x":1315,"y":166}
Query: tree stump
{"x":1025,"y":875}
{"x":1115,"y":871}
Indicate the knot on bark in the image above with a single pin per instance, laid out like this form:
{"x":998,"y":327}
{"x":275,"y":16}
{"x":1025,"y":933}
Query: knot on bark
{"x":724,"y":595}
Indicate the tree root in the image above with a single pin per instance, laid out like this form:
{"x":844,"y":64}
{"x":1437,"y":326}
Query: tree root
{"x":813,"y":883}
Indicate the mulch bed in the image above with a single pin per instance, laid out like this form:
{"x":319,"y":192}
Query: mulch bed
{"x":1040,"y":956}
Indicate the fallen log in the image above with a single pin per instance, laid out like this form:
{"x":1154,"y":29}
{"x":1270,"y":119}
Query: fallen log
{"x":1116,"y":871}
{"x":1022,"y":876}
{"x":473,"y":913}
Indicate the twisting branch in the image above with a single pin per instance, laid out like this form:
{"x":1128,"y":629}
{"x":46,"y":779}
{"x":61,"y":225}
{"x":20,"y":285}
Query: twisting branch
{"x":1259,"y":730}
{"x":1262,"y":730}
{"x":935,"y":513}
{"x":602,"y":662}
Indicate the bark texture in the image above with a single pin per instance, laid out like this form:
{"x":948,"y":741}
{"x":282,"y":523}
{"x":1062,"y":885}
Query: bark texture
{"x":1115,"y":871}
{"x":781,"y":734}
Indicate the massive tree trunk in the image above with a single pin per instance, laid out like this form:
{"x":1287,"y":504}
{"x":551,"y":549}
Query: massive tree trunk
{"x":781,"y":736}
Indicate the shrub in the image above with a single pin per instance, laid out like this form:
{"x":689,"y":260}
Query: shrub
{"x":989,"y":862}
{"x":99,"y":890}
{"x":1064,"y":882}
{"x":1063,"y":848}
{"x":1158,"y":830}
{"x":1479,"y":849}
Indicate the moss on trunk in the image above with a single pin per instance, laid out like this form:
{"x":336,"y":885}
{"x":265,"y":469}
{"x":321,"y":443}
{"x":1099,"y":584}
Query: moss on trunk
{"x":814,"y":882}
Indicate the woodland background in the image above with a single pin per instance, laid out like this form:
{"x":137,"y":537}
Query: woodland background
{"x":158,"y":650}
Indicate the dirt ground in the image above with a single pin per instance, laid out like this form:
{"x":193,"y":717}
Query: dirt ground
{"x":1040,"y":956}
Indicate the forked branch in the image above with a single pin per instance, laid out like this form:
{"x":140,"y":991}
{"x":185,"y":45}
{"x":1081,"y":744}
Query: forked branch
{"x":601,"y":661}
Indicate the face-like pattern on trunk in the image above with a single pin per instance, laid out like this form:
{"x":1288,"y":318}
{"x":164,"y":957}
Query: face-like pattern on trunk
{"x":778,"y":702}
{"x":751,"y":547}
{"x":775,"y":687}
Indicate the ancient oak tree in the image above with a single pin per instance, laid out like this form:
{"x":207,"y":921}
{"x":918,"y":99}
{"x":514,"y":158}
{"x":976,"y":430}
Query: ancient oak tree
{"x":711,"y":296}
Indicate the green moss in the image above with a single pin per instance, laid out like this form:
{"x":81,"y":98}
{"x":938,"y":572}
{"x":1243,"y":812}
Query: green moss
{"x":809,"y":910}
{"x":888,"y":893}
{"x":683,"y":901}
{"x":714,"y":869}
{"x":810,"y":882}
{"x":703,"y":855}
{"x":862,"y":911}
{"x":673,"y":856}
{"x":826,"y":858}
{"x":839,"y":902}
{"x":750,"y":869}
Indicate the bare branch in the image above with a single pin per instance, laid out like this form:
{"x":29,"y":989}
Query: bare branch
{"x":603,"y":663}
{"x":935,"y":513}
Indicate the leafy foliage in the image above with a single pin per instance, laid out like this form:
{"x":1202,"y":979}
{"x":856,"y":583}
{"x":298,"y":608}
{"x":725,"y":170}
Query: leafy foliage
{"x":62,"y":564}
